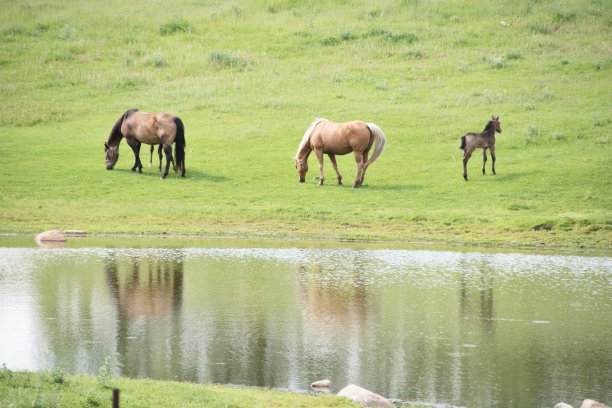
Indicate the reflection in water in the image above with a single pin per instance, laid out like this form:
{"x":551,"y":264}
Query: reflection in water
{"x":468,"y":329}
{"x":148,"y":302}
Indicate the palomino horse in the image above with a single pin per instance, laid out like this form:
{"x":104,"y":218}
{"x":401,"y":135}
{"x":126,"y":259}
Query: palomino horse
{"x":139,"y":127}
{"x":484,"y":140}
{"x":325,"y":137}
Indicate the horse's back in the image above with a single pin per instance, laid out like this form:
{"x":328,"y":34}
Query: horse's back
{"x":341,"y":138}
{"x":478,"y":140}
{"x":151,"y":128}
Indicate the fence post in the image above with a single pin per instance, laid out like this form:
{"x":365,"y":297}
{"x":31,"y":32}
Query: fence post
{"x":115,"y":398}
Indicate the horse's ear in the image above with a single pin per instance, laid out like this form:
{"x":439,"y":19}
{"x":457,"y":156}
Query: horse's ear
{"x":105,"y":146}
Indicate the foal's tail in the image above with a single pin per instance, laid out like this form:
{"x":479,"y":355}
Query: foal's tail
{"x":462,"y":147}
{"x":380,"y":138}
{"x":179,"y":146}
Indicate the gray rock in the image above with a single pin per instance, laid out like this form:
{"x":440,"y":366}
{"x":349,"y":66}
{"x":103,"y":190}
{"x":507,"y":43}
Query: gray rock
{"x":51,"y":239}
{"x":589,"y":403}
{"x":364,"y":397}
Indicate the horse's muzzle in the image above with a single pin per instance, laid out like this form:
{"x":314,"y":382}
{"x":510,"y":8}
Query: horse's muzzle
{"x":302,"y":180}
{"x":109,"y":167}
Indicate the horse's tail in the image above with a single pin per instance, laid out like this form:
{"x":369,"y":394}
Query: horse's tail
{"x":462,"y":147}
{"x":380,"y":139}
{"x":179,"y":145}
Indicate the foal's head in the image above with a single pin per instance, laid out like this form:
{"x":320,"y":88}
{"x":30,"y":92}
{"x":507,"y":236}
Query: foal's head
{"x":495,"y":122}
{"x":302,"y":167}
{"x":112,"y":155}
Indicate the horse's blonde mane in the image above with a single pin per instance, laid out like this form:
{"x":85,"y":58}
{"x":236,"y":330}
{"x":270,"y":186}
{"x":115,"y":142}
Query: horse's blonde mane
{"x":306,"y":137}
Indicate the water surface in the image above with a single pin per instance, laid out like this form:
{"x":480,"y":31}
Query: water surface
{"x":459,"y":328}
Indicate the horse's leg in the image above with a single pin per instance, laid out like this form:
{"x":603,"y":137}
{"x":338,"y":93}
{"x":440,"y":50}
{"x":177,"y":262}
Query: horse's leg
{"x":151,"y":158}
{"x":365,"y":160}
{"x":493,"y":158}
{"x":466,"y":156}
{"x":332,"y":157}
{"x":159,"y":153}
{"x":360,"y":167}
{"x":135,"y":145}
{"x":168,"y":151}
{"x":484,"y":159}
{"x":319,"y":154}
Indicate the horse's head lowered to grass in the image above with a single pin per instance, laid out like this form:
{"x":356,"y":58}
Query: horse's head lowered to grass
{"x":138,"y":127}
{"x":325,"y":137}
{"x":112,"y":155}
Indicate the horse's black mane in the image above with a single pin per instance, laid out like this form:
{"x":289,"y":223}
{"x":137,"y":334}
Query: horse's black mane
{"x":115,"y":134}
{"x":490,"y":126}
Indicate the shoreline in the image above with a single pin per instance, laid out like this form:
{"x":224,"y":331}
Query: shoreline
{"x":430,"y":245}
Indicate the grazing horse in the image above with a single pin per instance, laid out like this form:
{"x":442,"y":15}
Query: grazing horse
{"x":325,"y":137}
{"x":139,"y":127}
{"x":484,"y":140}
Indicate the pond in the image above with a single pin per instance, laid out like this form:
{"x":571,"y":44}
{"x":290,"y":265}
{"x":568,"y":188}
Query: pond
{"x":446,"y":327}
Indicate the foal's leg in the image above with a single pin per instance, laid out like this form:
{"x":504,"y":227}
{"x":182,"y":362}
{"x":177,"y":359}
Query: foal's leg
{"x":484,"y":159}
{"x":466,"y":156}
{"x":493,"y":158}
{"x":319,"y":154}
{"x":360,"y":169}
{"x":168,"y":151}
{"x":135,"y":145}
{"x":332,"y":157}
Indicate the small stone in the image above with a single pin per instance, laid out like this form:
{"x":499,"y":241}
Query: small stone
{"x":75,"y":233}
{"x":321,"y":384}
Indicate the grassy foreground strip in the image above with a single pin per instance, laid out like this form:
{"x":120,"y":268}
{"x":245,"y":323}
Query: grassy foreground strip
{"x":56,"y":389}
{"x":248,"y":77}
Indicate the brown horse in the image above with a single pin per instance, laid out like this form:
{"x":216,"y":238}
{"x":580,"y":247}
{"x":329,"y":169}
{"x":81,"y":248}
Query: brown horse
{"x":139,"y":127}
{"x":159,"y":153}
{"x":484,"y":140}
{"x":325,"y":137}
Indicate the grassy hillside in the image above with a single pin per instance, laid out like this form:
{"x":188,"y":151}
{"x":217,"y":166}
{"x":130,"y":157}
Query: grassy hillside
{"x":248,"y":78}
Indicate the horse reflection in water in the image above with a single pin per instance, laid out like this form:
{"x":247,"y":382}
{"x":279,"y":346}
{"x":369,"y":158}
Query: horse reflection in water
{"x":148,"y":296}
{"x":325,"y":306}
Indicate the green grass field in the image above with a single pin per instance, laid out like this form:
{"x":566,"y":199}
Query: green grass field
{"x":248,"y":78}
{"x":56,"y":389}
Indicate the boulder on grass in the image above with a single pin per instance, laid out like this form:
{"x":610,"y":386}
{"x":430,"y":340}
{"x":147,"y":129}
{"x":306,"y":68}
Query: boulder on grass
{"x":364,"y":397}
{"x":589,"y":403}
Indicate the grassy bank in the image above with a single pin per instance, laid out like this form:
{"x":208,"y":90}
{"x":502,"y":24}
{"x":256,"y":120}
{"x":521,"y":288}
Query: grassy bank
{"x":56,"y":389}
{"x":247,"y":78}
